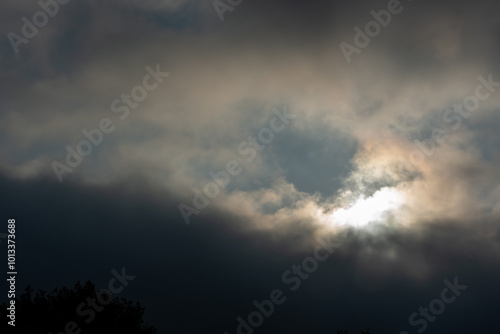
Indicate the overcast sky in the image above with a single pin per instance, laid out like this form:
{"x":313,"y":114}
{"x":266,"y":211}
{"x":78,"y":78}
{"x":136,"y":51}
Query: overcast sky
{"x":210,"y":147}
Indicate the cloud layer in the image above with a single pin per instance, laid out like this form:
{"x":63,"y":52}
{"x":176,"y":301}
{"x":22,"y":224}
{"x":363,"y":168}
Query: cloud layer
{"x":388,"y":132}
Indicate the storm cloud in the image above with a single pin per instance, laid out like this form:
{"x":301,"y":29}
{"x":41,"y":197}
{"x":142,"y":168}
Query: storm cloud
{"x":122,"y":121}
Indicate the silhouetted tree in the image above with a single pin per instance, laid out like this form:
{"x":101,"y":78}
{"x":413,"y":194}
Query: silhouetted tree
{"x":75,"y":311}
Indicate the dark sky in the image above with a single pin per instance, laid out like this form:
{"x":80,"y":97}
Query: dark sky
{"x":211,"y":158}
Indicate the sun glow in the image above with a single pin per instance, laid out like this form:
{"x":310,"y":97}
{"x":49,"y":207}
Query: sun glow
{"x":366,"y":210}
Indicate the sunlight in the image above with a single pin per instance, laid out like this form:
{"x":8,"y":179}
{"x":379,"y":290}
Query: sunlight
{"x":370,"y":209}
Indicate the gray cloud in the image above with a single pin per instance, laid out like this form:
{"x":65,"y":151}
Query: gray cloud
{"x":354,"y":124}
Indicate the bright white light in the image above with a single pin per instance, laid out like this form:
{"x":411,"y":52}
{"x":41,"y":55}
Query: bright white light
{"x":370,"y":209}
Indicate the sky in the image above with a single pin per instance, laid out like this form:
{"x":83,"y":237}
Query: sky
{"x":334,"y":161}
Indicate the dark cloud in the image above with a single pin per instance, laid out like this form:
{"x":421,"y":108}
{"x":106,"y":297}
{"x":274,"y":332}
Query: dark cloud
{"x":354,"y":123}
{"x":211,"y":271}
